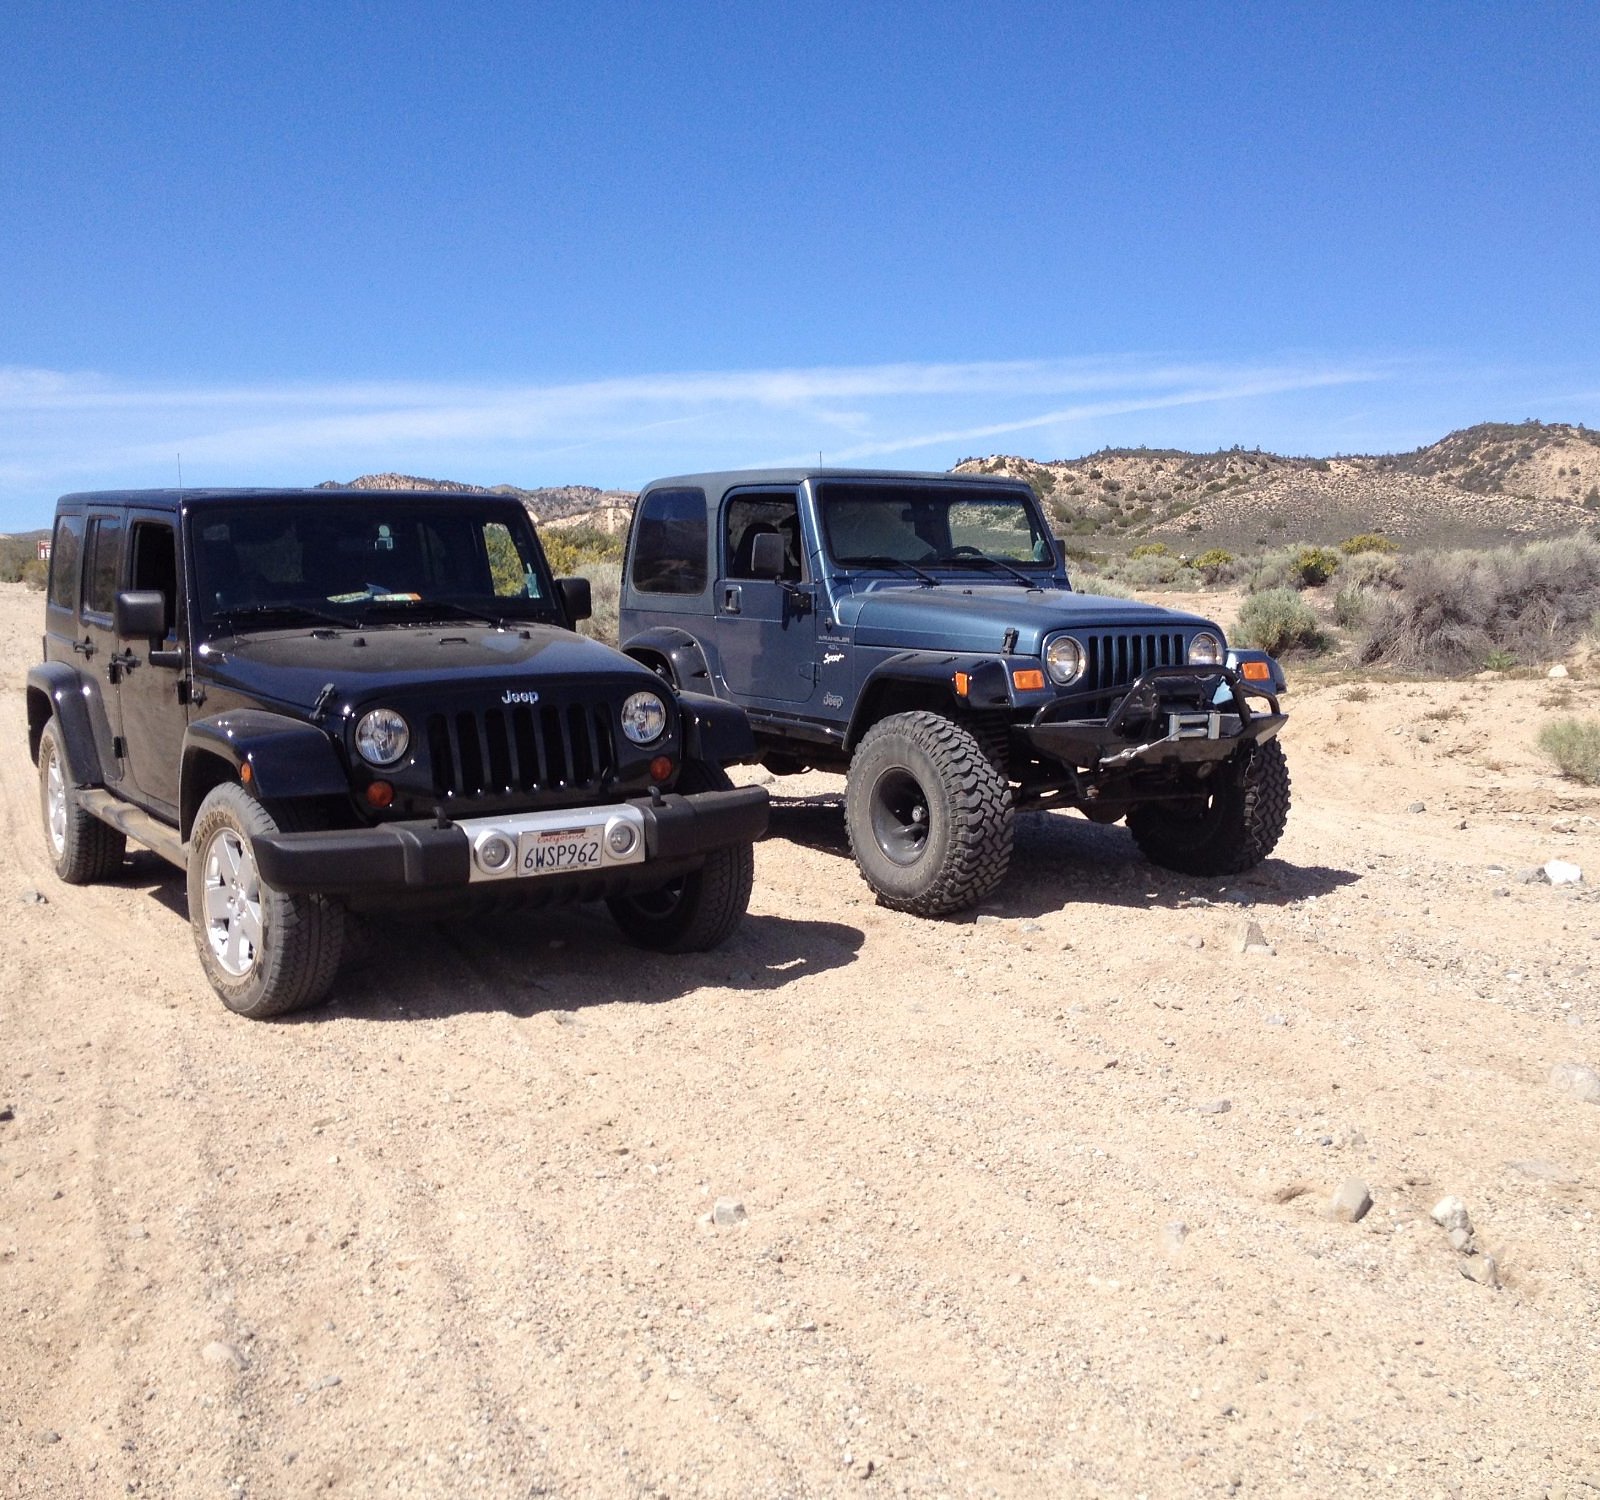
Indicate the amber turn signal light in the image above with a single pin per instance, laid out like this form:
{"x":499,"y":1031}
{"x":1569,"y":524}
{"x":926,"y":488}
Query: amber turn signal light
{"x":246,"y":773}
{"x":379,"y":794}
{"x":1027,"y":679}
{"x":661,"y":768}
{"x":963,"y":683}
{"x":1256,"y":671}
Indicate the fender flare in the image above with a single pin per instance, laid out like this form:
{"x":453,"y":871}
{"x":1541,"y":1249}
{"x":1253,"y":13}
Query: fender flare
{"x":933,"y":673}
{"x":288,"y":758}
{"x":683,"y":655}
{"x":715,"y":731}
{"x":1276,"y":682}
{"x":56,"y":690}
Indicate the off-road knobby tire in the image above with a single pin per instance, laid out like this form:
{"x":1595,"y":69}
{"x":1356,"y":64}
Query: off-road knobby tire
{"x":969,"y":814}
{"x":302,"y":937}
{"x":82,"y":848}
{"x":1238,"y":827}
{"x":700,"y":910}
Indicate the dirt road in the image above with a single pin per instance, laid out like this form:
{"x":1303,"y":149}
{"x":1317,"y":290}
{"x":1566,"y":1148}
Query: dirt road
{"x":451,"y":1234}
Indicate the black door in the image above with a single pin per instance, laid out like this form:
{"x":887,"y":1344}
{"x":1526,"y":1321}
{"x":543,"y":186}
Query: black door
{"x":95,"y":639}
{"x":152,"y":672}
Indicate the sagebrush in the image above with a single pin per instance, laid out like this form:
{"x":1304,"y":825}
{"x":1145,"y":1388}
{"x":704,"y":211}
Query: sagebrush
{"x":1278,"y":620}
{"x":1574,"y":745}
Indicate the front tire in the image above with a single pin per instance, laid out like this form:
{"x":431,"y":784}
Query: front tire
{"x":266,"y":953}
{"x":82,"y":848}
{"x":1229,"y":830}
{"x":700,"y":910}
{"x":929,"y":815}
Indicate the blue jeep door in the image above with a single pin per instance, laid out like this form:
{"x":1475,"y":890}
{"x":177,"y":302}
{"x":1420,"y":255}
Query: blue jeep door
{"x":764,"y":629}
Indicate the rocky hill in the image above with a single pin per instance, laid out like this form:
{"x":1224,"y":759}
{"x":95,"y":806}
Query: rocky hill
{"x":1484,"y":484}
{"x":553,"y":505}
{"x":1491,"y":483}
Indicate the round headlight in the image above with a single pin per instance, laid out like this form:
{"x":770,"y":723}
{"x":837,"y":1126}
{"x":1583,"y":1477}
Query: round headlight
{"x":1205,"y":650}
{"x":382,"y":737}
{"x":1064,"y":660}
{"x":644,"y":718}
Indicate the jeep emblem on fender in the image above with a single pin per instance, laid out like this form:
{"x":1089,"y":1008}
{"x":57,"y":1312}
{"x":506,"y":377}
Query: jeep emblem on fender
{"x":512,"y":695}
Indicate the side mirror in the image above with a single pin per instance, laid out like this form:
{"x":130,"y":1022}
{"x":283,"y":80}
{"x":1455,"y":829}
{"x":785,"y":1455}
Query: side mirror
{"x":1061,"y":551}
{"x":576,"y":597}
{"x":140,"y":614}
{"x":767,"y":555}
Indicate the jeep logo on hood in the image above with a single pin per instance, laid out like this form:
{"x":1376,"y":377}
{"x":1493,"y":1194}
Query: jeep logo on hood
{"x":515,"y":695}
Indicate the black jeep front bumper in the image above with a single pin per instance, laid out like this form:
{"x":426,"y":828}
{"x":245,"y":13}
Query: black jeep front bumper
{"x":427,"y":857}
{"x":1169,"y":716}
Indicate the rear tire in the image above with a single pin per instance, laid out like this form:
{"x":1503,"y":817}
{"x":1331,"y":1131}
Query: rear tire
{"x":929,"y":814}
{"x":1230,"y":830}
{"x":699,"y":910}
{"x":82,"y":848}
{"x":266,"y":953}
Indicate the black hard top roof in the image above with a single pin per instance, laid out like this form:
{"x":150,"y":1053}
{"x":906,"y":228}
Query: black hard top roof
{"x":172,"y":499}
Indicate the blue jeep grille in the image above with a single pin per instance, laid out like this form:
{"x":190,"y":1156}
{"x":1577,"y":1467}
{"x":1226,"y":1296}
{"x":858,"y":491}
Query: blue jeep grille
{"x":1116,"y":660}
{"x":488,"y":752}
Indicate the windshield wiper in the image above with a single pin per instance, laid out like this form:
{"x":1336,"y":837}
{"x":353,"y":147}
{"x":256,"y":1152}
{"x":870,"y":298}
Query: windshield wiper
{"x":239,"y":612}
{"x":881,"y":560}
{"x":425,"y":609}
{"x":954,"y":560}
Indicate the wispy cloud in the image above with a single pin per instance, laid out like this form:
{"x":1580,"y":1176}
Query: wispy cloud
{"x":65,"y":429}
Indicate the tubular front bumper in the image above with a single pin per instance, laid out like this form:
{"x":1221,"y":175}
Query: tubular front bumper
{"x":678,"y":832}
{"x":1167,"y":717}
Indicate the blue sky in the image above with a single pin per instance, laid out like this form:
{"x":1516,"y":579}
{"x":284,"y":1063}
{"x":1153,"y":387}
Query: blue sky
{"x":551,"y":243}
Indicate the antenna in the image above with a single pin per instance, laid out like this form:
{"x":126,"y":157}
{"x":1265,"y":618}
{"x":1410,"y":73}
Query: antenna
{"x":819,"y":458}
{"x":180,"y":473}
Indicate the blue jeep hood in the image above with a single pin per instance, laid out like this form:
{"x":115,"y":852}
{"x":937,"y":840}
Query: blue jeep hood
{"x":975,"y":617}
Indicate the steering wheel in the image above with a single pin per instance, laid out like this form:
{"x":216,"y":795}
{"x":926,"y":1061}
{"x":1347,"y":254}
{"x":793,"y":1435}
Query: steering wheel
{"x":963,"y":551}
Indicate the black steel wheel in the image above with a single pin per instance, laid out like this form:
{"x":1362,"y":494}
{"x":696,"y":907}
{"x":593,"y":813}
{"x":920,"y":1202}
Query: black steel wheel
{"x":929,"y":814}
{"x":1230,"y":828}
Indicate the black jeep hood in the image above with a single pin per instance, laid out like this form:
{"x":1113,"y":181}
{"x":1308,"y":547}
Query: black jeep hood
{"x":294,"y":667}
{"x":975,"y":617}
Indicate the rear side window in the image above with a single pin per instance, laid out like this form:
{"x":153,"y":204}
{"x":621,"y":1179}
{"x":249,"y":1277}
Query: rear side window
{"x":670,"y":543}
{"x":66,"y":553}
{"x":155,"y":565}
{"x":100,"y":566}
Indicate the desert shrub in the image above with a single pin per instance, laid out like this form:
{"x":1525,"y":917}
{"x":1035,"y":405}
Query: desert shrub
{"x":1315,"y":565}
{"x":1088,"y":581}
{"x":1449,"y":611}
{"x":1499,"y":661}
{"x":1211,"y":563}
{"x":1367,"y":541}
{"x":1151,"y":549}
{"x":570,"y":548}
{"x":19,"y":562}
{"x":1574,"y":745}
{"x":1350,"y":605}
{"x":605,"y":591}
{"x":1277,"y":620}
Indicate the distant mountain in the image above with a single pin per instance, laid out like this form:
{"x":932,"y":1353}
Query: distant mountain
{"x":1493,"y":482}
{"x":558,"y":505}
{"x":1490,"y":483}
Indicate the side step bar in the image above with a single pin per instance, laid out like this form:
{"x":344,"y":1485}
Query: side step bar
{"x":137,"y":824}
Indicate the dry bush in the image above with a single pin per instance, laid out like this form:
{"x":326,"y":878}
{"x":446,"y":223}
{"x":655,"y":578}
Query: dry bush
{"x":1453,"y":612}
{"x":1367,"y":541}
{"x":1089,"y":581}
{"x":1574,"y":745}
{"x":1277,"y":620}
{"x":605,"y":590}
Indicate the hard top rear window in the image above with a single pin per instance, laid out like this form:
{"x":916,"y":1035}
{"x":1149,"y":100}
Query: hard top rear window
{"x":670,"y":543}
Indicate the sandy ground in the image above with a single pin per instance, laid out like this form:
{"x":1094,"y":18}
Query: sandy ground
{"x":451,"y":1234}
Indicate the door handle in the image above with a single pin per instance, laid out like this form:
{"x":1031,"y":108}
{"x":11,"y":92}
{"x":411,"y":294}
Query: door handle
{"x":84,"y":648}
{"x":732,"y":599}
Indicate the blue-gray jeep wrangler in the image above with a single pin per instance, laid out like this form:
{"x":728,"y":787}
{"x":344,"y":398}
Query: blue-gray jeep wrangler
{"x":919,"y":632}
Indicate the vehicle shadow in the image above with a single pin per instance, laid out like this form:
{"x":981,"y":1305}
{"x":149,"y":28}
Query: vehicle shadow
{"x":559,"y":959}
{"x":1062,"y":860}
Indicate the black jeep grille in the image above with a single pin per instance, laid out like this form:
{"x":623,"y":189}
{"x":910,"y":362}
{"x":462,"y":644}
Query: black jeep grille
{"x":1116,"y":660}
{"x":524,"y":748}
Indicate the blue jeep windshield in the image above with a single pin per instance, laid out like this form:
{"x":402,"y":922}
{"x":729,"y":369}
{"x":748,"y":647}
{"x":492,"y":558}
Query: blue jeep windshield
{"x":932,"y":524}
{"x":267,"y":562}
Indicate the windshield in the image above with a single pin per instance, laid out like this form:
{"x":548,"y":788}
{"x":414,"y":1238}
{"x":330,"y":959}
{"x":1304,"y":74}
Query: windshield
{"x":337,"y":562}
{"x":873,"y":525}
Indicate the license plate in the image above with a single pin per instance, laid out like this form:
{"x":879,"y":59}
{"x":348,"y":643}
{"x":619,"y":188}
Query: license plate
{"x":558,"y":850}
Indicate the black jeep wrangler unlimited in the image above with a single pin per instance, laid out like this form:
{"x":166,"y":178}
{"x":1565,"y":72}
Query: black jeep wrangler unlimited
{"x":919,"y":632}
{"x":325,"y":700}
